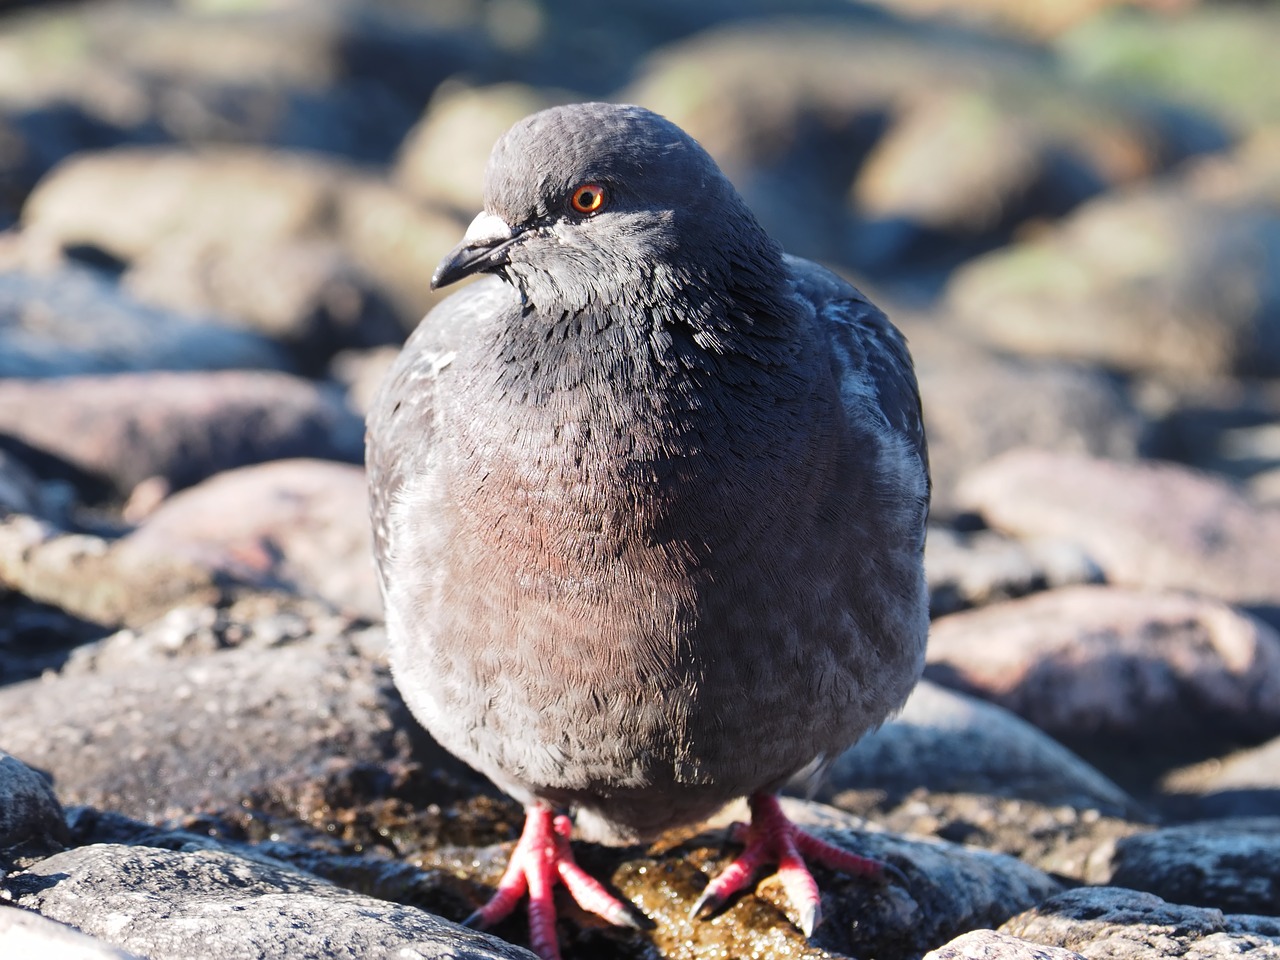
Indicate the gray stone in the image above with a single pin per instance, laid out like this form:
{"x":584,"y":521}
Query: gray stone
{"x":946,"y":742}
{"x":297,"y":525}
{"x":1097,"y":662}
{"x":977,"y":406}
{"x":25,"y":933}
{"x":74,"y":321}
{"x":158,"y":740}
{"x":1233,"y":865}
{"x":1153,"y":525}
{"x":1244,"y":784}
{"x":993,"y":945}
{"x":980,"y":568}
{"x":1135,"y":281}
{"x":1115,"y":923}
{"x":173,"y":905}
{"x":31,"y":818}
{"x":181,"y":427}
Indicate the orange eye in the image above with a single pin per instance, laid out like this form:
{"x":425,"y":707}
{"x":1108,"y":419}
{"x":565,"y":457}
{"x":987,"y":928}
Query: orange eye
{"x":588,"y":199}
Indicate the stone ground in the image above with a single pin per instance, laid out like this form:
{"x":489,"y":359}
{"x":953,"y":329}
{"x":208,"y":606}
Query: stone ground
{"x":219,"y":222}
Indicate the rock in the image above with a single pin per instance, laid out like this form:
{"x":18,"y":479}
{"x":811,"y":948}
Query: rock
{"x":983,"y":567}
{"x":308,"y":295}
{"x":216,"y":210}
{"x":1149,"y":525}
{"x":977,"y":406}
{"x":993,"y":945}
{"x":172,"y":905}
{"x":1244,"y":784}
{"x":69,"y":585}
{"x":946,"y":742}
{"x":361,"y":372}
{"x":298,"y":525}
{"x":1233,"y":865}
{"x":27,"y":934}
{"x":1134,"y":281}
{"x":75,"y":321}
{"x":949,"y":889}
{"x":442,"y":159}
{"x":1219,"y":57}
{"x":31,"y":819}
{"x":848,"y":104}
{"x":1113,"y":922}
{"x":1110,"y":665}
{"x":160,"y":739}
{"x":181,"y":427}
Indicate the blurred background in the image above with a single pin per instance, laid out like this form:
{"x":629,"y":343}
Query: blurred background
{"x":1071,"y":207}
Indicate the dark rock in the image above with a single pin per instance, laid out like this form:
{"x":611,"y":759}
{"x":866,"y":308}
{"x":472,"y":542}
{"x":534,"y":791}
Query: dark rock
{"x":172,"y":905}
{"x":180,"y":427}
{"x":1146,"y":525}
{"x":76,"y":321}
{"x":27,"y":934}
{"x":1116,"y":923}
{"x":1136,"y":281}
{"x":1104,"y":664}
{"x":1233,"y":865}
{"x":993,"y":945}
{"x":983,"y":567}
{"x":947,"y":742}
{"x":1243,"y":784}
{"x":160,"y":739}
{"x":31,"y":819}
{"x":297,"y":525}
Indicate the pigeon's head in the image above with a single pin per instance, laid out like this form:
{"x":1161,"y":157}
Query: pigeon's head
{"x":599,"y":202}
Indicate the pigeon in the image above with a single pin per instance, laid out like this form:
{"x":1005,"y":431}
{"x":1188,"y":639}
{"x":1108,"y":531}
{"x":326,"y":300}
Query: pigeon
{"x":649,"y":502}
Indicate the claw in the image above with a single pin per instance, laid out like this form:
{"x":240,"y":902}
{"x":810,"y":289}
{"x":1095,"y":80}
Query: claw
{"x":772,"y":838}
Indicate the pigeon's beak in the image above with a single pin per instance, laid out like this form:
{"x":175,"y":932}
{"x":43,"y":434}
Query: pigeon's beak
{"x":484,"y":247}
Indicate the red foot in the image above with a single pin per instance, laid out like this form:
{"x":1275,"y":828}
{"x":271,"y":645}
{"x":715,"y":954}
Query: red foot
{"x":540,"y":858}
{"x":772,"y":838}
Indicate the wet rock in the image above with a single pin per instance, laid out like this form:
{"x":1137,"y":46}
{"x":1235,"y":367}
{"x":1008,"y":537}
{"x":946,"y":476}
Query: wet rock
{"x":1233,"y":865}
{"x":1098,"y":664}
{"x":983,"y":567}
{"x":31,"y":819}
{"x":161,"y":739}
{"x":172,"y":904}
{"x":1135,"y":281}
{"x":946,"y":742}
{"x":993,"y":945}
{"x":949,"y":889}
{"x":75,"y":321}
{"x":297,"y":525}
{"x":442,"y":159}
{"x":27,"y":934}
{"x":1117,"y":923}
{"x":1145,"y":524}
{"x":179,"y":427}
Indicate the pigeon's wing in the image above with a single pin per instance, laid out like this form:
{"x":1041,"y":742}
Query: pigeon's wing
{"x":869,"y":355}
{"x":401,"y":426}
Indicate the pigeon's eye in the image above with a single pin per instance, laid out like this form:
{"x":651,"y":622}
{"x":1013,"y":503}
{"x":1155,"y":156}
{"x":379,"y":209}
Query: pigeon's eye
{"x":587,"y":199}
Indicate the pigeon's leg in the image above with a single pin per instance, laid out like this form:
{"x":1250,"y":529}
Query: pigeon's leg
{"x":772,"y":838}
{"x":540,"y":859}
